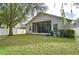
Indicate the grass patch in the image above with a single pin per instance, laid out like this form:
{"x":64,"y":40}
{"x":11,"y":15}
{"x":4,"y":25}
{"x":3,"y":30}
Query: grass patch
{"x":37,"y":45}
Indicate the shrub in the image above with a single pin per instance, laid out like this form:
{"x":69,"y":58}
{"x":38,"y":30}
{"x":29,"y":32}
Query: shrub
{"x":63,"y":33}
{"x":67,"y":33}
{"x":70,"y":33}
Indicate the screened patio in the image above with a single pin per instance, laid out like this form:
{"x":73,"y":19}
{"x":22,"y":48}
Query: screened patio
{"x":41,"y":27}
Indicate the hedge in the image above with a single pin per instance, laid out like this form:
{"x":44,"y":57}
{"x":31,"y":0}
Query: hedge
{"x":67,"y":33}
{"x":64,"y":33}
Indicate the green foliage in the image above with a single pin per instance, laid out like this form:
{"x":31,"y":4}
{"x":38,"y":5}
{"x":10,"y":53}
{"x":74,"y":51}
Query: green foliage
{"x":70,"y":33}
{"x":67,"y":33}
{"x":13,"y":13}
{"x":63,"y":19}
{"x":63,"y":33}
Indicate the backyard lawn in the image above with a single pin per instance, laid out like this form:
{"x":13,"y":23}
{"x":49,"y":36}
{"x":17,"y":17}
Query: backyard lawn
{"x":37,"y":45}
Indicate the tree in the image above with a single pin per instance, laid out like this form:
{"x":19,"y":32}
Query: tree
{"x":62,"y":16}
{"x":12,"y":13}
{"x":0,"y":16}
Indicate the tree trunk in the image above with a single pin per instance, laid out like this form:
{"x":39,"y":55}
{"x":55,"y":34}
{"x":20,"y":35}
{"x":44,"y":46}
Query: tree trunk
{"x":10,"y":24}
{"x":10,"y":31}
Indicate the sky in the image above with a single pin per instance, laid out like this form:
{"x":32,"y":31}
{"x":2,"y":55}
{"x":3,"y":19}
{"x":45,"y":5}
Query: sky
{"x":56,"y":10}
{"x":50,"y":4}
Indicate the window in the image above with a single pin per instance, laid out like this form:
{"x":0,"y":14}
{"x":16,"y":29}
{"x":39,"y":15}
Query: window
{"x":42,"y":27}
{"x":55,"y":26}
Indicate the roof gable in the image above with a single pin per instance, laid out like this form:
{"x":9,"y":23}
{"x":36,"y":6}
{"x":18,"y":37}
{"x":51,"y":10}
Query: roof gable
{"x":47,"y":15}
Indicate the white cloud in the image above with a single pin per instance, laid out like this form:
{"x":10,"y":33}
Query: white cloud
{"x":67,"y":7}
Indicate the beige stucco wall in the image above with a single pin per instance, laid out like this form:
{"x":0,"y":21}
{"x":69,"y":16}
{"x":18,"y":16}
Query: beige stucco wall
{"x":40,"y":18}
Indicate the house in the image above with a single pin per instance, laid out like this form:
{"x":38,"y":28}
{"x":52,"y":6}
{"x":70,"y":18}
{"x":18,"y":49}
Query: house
{"x":44,"y":23}
{"x":75,"y":26}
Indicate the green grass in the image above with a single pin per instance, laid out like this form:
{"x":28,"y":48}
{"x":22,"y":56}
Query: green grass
{"x":37,"y":45}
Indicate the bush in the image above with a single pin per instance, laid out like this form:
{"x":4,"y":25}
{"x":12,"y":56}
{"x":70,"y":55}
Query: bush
{"x":67,"y":33}
{"x":63,"y":33}
{"x":70,"y":33}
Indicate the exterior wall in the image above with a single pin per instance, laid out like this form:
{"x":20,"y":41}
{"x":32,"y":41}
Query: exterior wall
{"x":75,"y":26}
{"x":76,"y":31}
{"x":19,"y":31}
{"x":40,"y":18}
{"x":56,"y":21}
{"x":4,"y":31}
{"x":28,"y":26}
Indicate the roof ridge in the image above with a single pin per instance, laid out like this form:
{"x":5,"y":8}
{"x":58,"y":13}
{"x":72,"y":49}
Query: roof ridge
{"x":46,"y":14}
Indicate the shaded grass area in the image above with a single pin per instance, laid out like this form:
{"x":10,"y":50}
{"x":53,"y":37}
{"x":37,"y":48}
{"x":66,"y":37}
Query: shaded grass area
{"x":37,"y":45}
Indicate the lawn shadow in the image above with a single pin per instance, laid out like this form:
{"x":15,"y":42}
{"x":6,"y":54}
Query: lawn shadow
{"x":25,"y":40}
{"x":3,"y":37}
